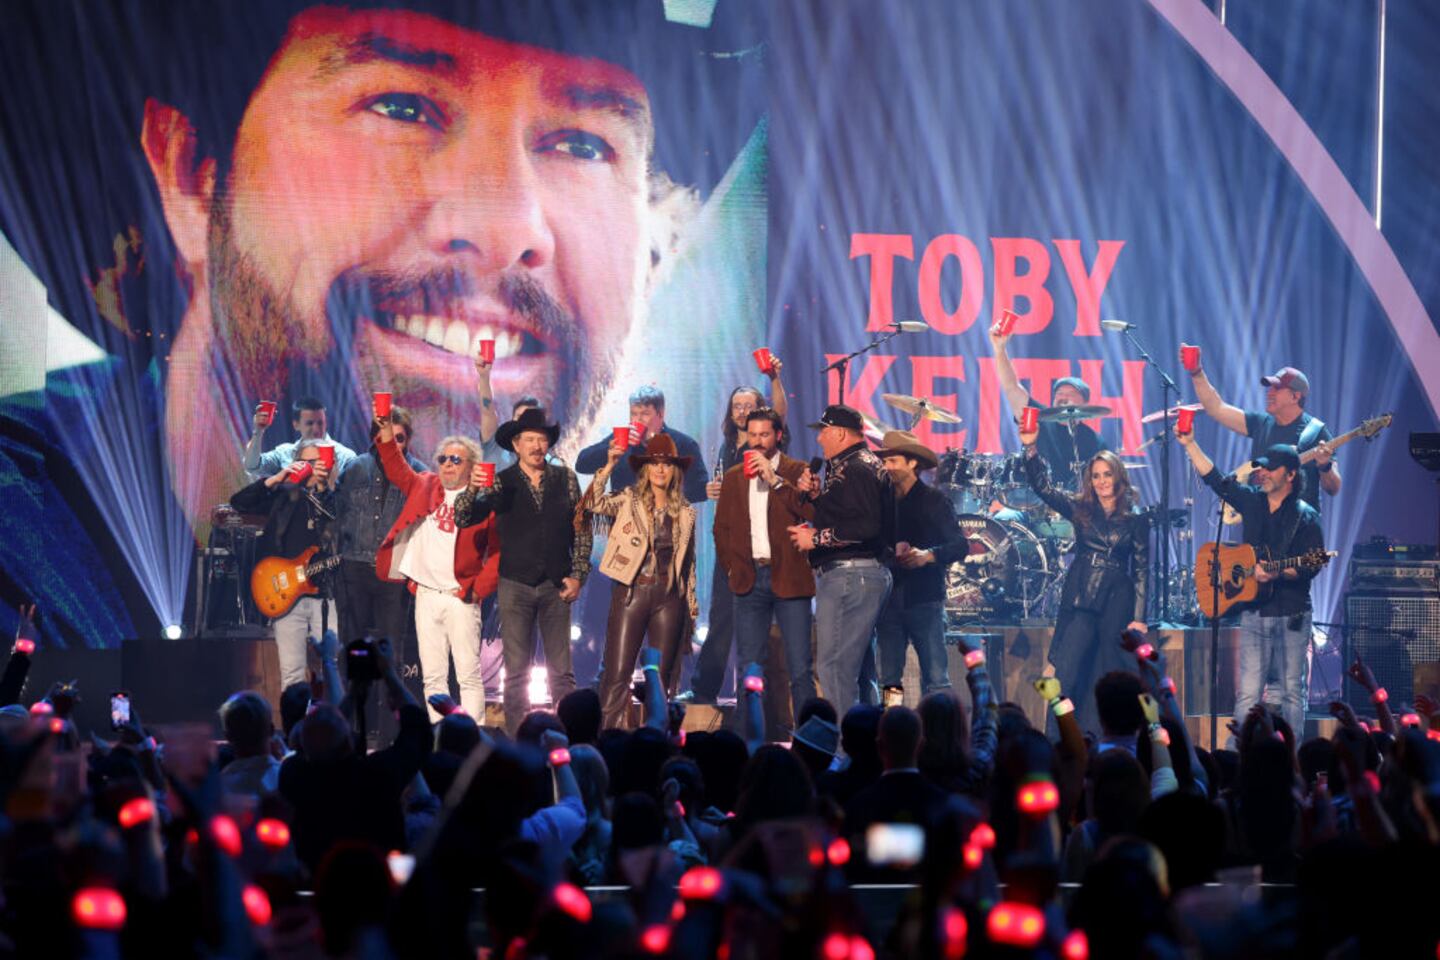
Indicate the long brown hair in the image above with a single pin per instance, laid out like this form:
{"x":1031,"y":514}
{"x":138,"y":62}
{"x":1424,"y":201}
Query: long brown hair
{"x":1087,"y":504}
{"x":674,"y":491}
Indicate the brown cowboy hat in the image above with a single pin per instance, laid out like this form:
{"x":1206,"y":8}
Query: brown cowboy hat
{"x":903,"y":443}
{"x":660,"y":449}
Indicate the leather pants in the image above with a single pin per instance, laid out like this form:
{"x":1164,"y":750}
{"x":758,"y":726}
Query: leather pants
{"x":634,"y":612}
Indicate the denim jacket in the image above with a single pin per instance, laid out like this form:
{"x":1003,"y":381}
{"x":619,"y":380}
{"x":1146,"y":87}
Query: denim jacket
{"x":368,"y":506}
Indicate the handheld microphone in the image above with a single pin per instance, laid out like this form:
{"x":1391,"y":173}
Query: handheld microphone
{"x":1117,"y":325}
{"x":910,"y":326}
{"x":815,"y":464}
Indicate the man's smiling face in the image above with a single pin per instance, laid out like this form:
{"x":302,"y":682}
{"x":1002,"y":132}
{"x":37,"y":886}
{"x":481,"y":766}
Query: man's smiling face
{"x":420,"y":187}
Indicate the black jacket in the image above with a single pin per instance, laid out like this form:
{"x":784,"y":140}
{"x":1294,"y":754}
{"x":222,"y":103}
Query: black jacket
{"x":1288,"y":532}
{"x":294,"y":524}
{"x":925,"y":519}
{"x":1109,"y":550}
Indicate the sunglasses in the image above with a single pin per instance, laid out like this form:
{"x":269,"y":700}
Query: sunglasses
{"x":445,"y":458}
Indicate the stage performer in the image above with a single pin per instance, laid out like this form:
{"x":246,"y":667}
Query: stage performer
{"x":1104,"y":590}
{"x":1059,"y":447}
{"x":650,"y":556}
{"x":299,"y":512}
{"x":927,"y":541}
{"x":450,"y":569}
{"x":1275,"y":628}
{"x":647,"y":408}
{"x":853,"y":514}
{"x":544,"y":559}
{"x":308,"y":420}
{"x":1284,"y":421}
{"x":714,"y":656}
{"x":771,"y":579}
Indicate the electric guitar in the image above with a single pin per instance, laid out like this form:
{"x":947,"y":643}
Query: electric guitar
{"x":1368,"y":429}
{"x":277,"y":583}
{"x":1237,"y":563}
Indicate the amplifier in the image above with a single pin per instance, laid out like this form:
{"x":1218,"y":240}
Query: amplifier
{"x":1405,"y":577}
{"x":1393,"y":635}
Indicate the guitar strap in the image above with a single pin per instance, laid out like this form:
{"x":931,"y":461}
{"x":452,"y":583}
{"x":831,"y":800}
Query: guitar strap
{"x":1310,"y":434}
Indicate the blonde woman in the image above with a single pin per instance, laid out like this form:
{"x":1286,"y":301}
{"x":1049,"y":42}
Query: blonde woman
{"x":651,"y":557}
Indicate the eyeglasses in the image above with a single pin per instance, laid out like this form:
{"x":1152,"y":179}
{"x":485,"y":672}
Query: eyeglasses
{"x":454,"y":458}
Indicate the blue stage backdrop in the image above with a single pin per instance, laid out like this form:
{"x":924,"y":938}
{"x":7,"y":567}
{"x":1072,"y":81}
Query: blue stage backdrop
{"x":204,"y":205}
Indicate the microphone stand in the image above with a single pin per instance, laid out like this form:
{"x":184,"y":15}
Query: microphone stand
{"x":842,"y":365}
{"x":1215,"y":620}
{"x":1167,"y":387}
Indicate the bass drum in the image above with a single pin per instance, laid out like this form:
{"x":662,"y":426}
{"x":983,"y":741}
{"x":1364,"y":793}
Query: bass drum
{"x":1004,"y":574}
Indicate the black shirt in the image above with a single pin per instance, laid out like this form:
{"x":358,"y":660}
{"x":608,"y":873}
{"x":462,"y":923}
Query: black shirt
{"x":294,"y":524}
{"x":593,"y":457}
{"x":925,"y":519}
{"x":1264,"y":433}
{"x":1287,"y":532}
{"x":854,"y":511}
{"x":1059,"y":451}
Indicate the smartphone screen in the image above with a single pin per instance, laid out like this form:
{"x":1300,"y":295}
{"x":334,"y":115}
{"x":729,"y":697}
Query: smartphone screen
{"x":894,"y":844}
{"x":119,"y":710}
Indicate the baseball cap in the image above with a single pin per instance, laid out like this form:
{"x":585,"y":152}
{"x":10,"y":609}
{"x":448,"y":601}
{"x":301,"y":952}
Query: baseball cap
{"x":839,"y":415}
{"x":1277,"y":456}
{"x":1289,"y":378}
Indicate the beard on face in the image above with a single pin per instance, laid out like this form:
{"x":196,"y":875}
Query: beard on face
{"x":263,"y":332}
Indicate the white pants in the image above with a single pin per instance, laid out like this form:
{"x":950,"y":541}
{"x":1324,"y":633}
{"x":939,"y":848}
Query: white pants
{"x":293,"y":630}
{"x":445,"y":627}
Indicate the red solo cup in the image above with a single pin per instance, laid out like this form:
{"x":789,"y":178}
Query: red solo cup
{"x":1030,"y":420}
{"x":267,"y":407}
{"x":487,"y":474}
{"x":487,"y":351}
{"x":1004,"y":323}
{"x":752,"y":463}
{"x":762,"y":358}
{"x":300,"y":475}
{"x":1189,"y":357}
{"x":1185,"y":420}
{"x":637,"y":432}
{"x":622,"y":438}
{"x":382,"y":404}
{"x":327,"y":457}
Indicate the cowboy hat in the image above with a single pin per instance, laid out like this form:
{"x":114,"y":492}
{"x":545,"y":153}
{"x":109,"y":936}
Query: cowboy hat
{"x":903,"y":443}
{"x":532,"y":418}
{"x":660,"y":449}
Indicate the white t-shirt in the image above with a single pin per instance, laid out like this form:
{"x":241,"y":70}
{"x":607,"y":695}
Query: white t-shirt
{"x":760,"y":513}
{"x":430,"y":558}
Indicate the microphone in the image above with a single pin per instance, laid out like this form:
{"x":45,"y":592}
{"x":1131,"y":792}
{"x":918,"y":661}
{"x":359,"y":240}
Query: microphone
{"x":815,"y":464}
{"x":910,"y":326}
{"x":1117,"y":325}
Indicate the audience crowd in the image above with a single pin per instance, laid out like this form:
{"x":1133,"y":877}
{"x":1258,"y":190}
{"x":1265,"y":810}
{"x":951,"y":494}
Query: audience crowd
{"x":953,"y":830}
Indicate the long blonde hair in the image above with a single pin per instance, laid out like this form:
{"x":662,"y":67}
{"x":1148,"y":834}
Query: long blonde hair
{"x":644,"y":490}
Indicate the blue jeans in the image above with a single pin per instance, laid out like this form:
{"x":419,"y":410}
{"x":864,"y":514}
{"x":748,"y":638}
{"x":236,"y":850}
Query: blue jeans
{"x":1269,"y":648}
{"x":921,"y":624}
{"x":847,"y":602}
{"x":753,"y":612}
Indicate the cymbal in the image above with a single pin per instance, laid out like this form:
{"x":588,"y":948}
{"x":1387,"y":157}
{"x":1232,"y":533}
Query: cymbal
{"x":919,"y":406}
{"x":1073,"y":414}
{"x":874,"y":429}
{"x":1172,"y":412}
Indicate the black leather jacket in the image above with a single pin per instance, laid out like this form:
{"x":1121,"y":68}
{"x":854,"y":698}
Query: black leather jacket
{"x":1107,"y":548}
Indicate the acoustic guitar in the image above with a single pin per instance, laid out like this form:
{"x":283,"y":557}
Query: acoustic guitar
{"x":277,"y":583}
{"x":1367,"y":430}
{"x":1237,"y":563}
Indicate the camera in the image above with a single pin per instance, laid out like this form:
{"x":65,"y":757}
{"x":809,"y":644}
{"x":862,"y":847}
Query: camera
{"x":362,"y":662}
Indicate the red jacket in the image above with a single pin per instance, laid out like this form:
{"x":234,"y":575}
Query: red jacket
{"x":477,"y":549}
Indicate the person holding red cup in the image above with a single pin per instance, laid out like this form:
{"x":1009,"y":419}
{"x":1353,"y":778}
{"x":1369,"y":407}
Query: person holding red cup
{"x":309,"y":421}
{"x":294,"y":525}
{"x":1105,"y":587}
{"x":647,"y":421}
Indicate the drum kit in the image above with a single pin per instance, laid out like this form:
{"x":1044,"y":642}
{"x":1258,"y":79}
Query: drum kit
{"x":1019,"y":547}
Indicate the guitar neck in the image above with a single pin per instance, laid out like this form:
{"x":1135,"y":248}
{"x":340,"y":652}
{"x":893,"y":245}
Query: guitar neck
{"x":1309,"y":455}
{"x":320,"y":566}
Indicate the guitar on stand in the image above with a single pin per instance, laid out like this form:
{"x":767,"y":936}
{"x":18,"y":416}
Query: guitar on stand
{"x":1233,"y":567}
{"x":1366,"y":430}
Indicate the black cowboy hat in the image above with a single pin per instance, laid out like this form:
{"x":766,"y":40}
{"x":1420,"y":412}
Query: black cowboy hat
{"x":533,"y":418}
